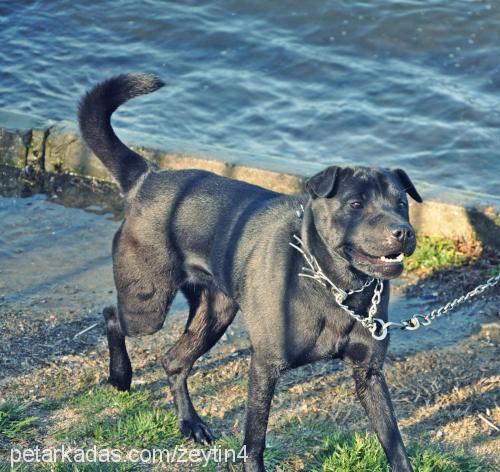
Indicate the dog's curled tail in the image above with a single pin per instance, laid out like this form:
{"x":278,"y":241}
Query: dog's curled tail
{"x":94,"y":116}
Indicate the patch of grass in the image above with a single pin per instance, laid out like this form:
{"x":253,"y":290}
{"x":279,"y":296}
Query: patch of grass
{"x":359,"y":453}
{"x":15,"y":423}
{"x":225,"y":443}
{"x":435,"y":253}
{"x":121,"y":419}
{"x":153,"y":427}
{"x":50,"y":404}
{"x":97,"y":399}
{"x":276,"y":451}
{"x":492,"y":272}
{"x":274,"y":455}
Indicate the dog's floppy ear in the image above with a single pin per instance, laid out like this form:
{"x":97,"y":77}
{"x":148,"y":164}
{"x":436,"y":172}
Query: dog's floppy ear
{"x":408,"y":186}
{"x":323,"y":184}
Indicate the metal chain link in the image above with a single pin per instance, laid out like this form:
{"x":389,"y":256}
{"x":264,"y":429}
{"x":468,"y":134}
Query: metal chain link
{"x":414,"y":322}
{"x":314,"y":271}
{"x":367,"y":321}
{"x":378,"y":327}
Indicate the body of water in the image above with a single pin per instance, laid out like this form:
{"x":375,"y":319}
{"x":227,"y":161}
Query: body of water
{"x":408,"y":84}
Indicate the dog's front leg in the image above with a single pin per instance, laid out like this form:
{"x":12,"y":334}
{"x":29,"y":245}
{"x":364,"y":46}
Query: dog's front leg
{"x":373,"y":394}
{"x":261,"y":384}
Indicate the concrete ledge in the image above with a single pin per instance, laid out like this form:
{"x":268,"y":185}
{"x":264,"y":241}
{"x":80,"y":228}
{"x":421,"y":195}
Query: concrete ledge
{"x":46,"y":146}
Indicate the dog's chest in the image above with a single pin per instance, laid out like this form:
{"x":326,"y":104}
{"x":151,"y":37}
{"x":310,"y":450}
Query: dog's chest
{"x":328,"y":331}
{"x":332,"y":337}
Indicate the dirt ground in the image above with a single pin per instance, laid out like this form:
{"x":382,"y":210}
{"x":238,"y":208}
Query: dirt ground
{"x":55,"y":278}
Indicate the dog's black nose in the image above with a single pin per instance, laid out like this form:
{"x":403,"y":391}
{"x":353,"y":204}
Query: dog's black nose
{"x":402,"y":233}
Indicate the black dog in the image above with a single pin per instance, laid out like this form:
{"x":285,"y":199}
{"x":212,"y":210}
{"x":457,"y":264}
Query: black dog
{"x":225,"y":244}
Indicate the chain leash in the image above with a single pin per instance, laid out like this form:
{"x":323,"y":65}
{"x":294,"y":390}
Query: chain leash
{"x":379,"y":328}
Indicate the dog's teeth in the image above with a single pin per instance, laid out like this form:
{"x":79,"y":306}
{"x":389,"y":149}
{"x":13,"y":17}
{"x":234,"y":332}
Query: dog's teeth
{"x":396,"y":259}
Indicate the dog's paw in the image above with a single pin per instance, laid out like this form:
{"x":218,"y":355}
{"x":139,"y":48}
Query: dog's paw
{"x":197,"y":431}
{"x":121,"y":384}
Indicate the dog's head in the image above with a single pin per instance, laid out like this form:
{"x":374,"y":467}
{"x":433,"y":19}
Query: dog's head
{"x":361,"y":214}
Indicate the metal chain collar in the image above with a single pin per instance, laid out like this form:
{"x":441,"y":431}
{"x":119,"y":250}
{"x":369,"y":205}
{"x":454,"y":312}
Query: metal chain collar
{"x":379,"y":328}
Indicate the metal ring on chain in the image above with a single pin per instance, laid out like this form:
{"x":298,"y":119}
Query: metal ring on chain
{"x":378,"y":329}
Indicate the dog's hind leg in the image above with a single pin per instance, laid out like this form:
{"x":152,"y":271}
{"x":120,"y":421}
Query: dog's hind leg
{"x":146,"y":282}
{"x":210,"y":313}
{"x":120,"y":368}
{"x":146,"y":278}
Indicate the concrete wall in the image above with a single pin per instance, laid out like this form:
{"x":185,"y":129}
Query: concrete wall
{"x":46,"y":146}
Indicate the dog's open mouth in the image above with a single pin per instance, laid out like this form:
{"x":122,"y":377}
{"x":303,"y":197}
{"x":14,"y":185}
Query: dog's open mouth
{"x":393,"y":259}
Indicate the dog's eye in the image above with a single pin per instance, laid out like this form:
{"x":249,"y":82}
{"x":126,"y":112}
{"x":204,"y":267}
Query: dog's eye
{"x":402,"y":204}
{"x":356,"y":205}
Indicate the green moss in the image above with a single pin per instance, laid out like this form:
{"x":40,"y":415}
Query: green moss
{"x":434,"y":253}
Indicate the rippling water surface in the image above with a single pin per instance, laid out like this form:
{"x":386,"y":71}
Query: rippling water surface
{"x":411,"y":84}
